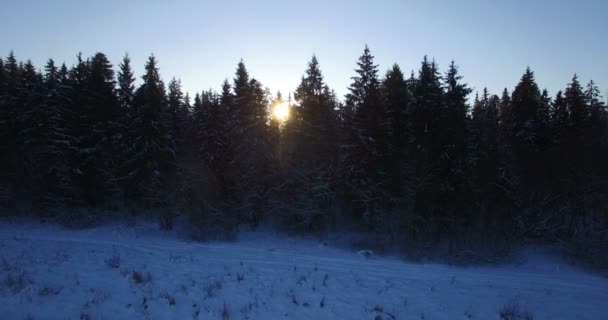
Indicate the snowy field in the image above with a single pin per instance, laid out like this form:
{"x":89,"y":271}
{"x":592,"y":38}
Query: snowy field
{"x":137,"y":272}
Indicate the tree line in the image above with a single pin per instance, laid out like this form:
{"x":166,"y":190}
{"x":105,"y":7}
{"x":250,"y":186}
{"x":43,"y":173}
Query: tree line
{"x":400,"y":155}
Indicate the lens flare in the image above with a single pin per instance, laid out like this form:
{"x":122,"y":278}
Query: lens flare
{"x":280,"y":111}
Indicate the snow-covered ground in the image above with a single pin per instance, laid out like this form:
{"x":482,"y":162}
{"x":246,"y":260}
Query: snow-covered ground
{"x":121,"y":272}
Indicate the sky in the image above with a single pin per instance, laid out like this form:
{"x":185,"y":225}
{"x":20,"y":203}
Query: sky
{"x":201,"y":42}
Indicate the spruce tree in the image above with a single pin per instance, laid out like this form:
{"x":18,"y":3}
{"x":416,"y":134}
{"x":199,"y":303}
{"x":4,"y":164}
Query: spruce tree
{"x":51,"y":77}
{"x":151,"y":161}
{"x":126,"y":87}
{"x":425,"y":122}
{"x":524,"y":141}
{"x":314,"y":115}
{"x":452,"y":142}
{"x":559,"y":116}
{"x":396,"y":99}
{"x":595,"y":104}
{"x":100,"y":118}
{"x":248,"y":173}
{"x":49,"y":146}
{"x":577,"y":109}
{"x":309,"y":148}
{"x":174,"y":114}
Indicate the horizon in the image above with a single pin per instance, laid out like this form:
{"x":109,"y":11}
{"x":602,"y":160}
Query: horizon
{"x":491,"y":44}
{"x":120,"y":197}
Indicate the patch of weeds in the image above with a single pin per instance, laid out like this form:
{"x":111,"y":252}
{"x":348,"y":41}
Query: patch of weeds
{"x":240,"y":276}
{"x":225,"y":312}
{"x":16,"y":281}
{"x":84,"y":316}
{"x":211,"y":288}
{"x":99,"y":296}
{"x":170,"y":299}
{"x":61,"y":256}
{"x":468,"y":313}
{"x":513,"y":311}
{"x":292,"y":295}
{"x":144,"y":303}
{"x":196,"y":311}
{"x":382,"y":314}
{"x":5,"y":265}
{"x":140,"y":278}
{"x":113,"y":261}
{"x":49,"y":291}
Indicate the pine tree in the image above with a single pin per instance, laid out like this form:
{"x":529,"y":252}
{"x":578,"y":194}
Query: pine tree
{"x":559,"y":116}
{"x":2,"y":78}
{"x":309,"y":148}
{"x":396,"y":99}
{"x":52,"y":74}
{"x":525,"y":139}
{"x":314,"y":115}
{"x":543,"y":121}
{"x":425,"y":122}
{"x":102,"y":130}
{"x":49,"y":146}
{"x":577,"y":109}
{"x":151,"y":161}
{"x":484,"y":167}
{"x":174,"y":115}
{"x":63,"y":74}
{"x":367,"y":147}
{"x":452,"y":142}
{"x":595,"y":104}
{"x":364,"y":99}
{"x":126,"y":87}
{"x":251,"y":174}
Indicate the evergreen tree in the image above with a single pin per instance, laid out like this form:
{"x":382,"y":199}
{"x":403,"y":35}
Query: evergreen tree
{"x":425,"y":122}
{"x":126,"y":87}
{"x":51,"y":77}
{"x":577,"y":109}
{"x":250,"y":175}
{"x":367,"y":148}
{"x":595,"y":104}
{"x":396,"y":99}
{"x":63,"y":74}
{"x":49,"y":147}
{"x":559,"y":116}
{"x":151,"y":161}
{"x":543,"y":120}
{"x":102,"y":130}
{"x":364,"y":99}
{"x":525,"y":140}
{"x":484,"y":168}
{"x":452,"y":140}
{"x":314,"y":116}
{"x":175,"y":117}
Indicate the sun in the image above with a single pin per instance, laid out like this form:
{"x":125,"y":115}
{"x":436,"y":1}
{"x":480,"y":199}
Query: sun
{"x":280,"y":111}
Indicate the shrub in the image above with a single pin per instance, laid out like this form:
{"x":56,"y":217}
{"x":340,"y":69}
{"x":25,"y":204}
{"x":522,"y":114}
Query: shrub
{"x":140,"y":278}
{"x":513,"y":311}
{"x":114,"y":261}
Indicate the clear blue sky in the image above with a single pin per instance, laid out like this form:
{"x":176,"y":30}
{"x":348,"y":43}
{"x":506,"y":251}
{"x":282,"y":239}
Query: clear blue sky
{"x":202,"y":41}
